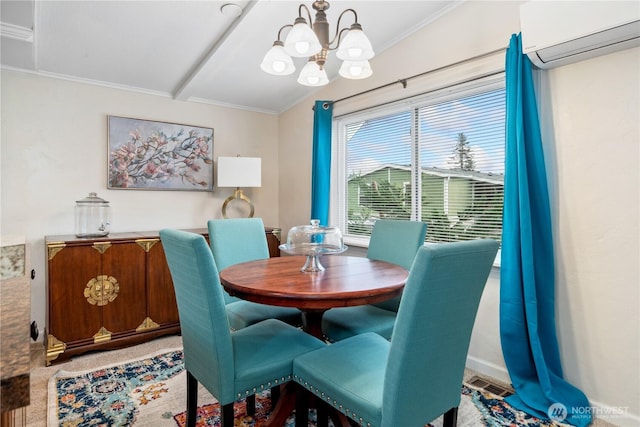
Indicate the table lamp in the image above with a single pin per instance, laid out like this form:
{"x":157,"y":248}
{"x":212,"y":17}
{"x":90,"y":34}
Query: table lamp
{"x":239,"y":172}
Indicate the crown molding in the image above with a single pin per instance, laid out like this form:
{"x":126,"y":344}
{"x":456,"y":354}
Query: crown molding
{"x":16,"y":32}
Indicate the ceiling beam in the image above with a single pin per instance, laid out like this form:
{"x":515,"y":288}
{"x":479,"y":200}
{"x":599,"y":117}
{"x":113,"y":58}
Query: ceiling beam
{"x":182,"y":92}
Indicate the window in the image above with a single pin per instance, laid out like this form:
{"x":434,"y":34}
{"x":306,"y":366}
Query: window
{"x":438,"y":158}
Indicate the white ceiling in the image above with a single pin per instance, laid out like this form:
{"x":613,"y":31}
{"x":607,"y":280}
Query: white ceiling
{"x":187,"y":50}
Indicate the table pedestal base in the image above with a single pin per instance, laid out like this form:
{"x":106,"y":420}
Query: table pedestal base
{"x":312,"y":322}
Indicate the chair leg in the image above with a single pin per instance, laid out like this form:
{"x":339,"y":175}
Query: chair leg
{"x":322,"y":414}
{"x":226,"y":415}
{"x":251,"y":405}
{"x":275,"y":395}
{"x":326,"y":412}
{"x":192,"y":400}
{"x":450,"y":418}
{"x":341,"y":420}
{"x":351,"y":423}
{"x":302,"y":407}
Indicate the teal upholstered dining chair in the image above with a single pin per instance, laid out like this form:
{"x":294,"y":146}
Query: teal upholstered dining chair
{"x":394,"y":241}
{"x":230,"y":364}
{"x":239,"y":240}
{"x":417,"y":376}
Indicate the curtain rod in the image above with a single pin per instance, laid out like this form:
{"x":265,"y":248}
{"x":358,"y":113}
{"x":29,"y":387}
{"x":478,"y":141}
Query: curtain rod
{"x":404,"y":81}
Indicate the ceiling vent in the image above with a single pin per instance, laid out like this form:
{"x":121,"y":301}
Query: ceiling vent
{"x":556,"y":33}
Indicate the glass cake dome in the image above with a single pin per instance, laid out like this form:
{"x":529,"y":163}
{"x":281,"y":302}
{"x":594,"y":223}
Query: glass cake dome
{"x":313,"y":241}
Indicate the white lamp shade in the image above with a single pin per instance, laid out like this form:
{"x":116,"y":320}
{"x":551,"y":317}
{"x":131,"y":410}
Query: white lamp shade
{"x":355,"y":69}
{"x":302,"y":41}
{"x":312,"y":75}
{"x":277,"y":62}
{"x":239,"y":171}
{"x":355,"y":46}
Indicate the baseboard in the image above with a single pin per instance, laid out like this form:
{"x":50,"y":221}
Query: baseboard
{"x":617,"y":416}
{"x":488,"y":369}
{"x":614,"y":415}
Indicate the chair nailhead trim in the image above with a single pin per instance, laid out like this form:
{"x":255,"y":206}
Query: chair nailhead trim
{"x":270,"y":384}
{"x":333,"y":402}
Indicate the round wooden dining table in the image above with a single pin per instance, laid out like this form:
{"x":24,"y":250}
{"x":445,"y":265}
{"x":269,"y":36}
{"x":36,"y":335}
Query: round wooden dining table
{"x":345,"y":281}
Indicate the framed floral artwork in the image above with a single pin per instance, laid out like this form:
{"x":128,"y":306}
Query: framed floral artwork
{"x":151,"y":155}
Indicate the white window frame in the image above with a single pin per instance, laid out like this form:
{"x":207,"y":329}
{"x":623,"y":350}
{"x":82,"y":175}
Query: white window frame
{"x":339,"y":175}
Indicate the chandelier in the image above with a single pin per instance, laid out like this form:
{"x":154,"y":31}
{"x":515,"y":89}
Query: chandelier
{"x":307,"y":40}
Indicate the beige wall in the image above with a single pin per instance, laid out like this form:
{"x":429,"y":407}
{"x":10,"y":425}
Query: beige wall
{"x":590,"y":125}
{"x":590,"y":115}
{"x":54,"y":152}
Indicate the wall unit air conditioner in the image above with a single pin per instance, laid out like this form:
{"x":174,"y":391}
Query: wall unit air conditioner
{"x":556,"y":33}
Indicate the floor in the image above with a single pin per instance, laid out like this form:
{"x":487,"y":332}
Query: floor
{"x":36,"y":414}
{"x":37,"y":411}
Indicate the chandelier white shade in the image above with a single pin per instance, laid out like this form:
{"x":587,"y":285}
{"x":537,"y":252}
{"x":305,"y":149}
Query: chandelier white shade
{"x":355,"y":69}
{"x":277,"y":62}
{"x":310,"y":39}
{"x":313,"y":75}
{"x":355,"y":46}
{"x":302,"y":41}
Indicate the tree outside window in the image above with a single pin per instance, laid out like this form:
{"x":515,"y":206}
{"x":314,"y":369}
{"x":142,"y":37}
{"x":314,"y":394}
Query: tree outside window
{"x":457,"y":186}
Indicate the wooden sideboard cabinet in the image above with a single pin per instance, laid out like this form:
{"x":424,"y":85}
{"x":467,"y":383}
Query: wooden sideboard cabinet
{"x":111,"y":292}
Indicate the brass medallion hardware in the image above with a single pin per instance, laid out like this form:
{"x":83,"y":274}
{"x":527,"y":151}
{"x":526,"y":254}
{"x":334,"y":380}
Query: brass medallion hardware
{"x":146,"y":325}
{"x":101,"y":290}
{"x":101,"y":246}
{"x":146,"y":244}
{"x":102,"y":336}
{"x":55,"y":347}
{"x":54,"y":248}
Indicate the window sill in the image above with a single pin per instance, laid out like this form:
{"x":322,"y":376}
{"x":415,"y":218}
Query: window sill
{"x":363,"y":243}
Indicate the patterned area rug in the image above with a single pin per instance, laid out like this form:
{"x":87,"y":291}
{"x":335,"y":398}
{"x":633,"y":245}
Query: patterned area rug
{"x":152,"y":392}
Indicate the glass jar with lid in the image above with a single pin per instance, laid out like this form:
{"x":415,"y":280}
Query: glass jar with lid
{"x":92,"y":217}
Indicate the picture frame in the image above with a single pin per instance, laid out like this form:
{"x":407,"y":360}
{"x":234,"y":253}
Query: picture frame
{"x":155,"y":155}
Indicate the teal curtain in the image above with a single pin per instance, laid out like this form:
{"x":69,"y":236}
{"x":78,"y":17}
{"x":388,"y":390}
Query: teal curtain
{"x":527,"y":272}
{"x":321,"y":163}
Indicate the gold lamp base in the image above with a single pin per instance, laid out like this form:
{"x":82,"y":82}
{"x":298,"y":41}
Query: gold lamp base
{"x":237,"y":195}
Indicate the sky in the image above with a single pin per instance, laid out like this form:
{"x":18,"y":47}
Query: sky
{"x":374,"y":142}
